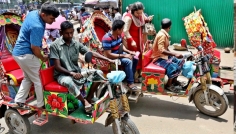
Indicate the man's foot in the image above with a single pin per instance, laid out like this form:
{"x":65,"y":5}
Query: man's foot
{"x":175,"y":89}
{"x":19,"y":105}
{"x":133,"y":88}
{"x":88,"y":109}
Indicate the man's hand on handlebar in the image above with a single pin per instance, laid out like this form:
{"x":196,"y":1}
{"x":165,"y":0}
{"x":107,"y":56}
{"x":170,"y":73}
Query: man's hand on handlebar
{"x":76,"y":75}
{"x":179,"y":56}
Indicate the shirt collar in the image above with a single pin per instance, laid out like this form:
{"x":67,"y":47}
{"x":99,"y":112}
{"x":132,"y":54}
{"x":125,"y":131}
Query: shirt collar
{"x":62,"y":42}
{"x":164,"y":31}
{"x":110,"y":34}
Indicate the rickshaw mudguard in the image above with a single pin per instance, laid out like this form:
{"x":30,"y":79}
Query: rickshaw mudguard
{"x":3,"y":109}
{"x":198,"y":87}
{"x":109,"y":120}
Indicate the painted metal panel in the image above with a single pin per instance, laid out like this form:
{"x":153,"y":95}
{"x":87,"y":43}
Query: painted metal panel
{"x":218,"y":14}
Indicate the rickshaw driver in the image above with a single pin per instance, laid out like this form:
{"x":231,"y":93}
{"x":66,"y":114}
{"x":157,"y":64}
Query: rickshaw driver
{"x":65,"y":52}
{"x":111,"y":42}
{"x":163,"y":57}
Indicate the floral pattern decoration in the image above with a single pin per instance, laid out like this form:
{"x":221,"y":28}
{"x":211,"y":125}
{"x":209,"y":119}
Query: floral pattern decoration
{"x":56,"y":103}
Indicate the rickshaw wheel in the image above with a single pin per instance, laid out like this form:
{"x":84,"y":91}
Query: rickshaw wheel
{"x":17,"y":124}
{"x":219,"y":103}
{"x":127,"y":126}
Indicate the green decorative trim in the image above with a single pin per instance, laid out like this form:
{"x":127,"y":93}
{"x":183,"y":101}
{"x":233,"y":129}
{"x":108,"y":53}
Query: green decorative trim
{"x":62,"y":96}
{"x":64,"y":112}
{"x":46,"y":94}
{"x":49,"y":108}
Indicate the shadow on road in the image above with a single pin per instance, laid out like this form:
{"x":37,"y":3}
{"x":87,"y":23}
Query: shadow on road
{"x":57,"y":125}
{"x":153,"y":106}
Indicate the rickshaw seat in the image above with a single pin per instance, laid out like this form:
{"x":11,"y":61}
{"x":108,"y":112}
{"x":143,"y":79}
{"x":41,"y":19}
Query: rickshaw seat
{"x":48,"y":81}
{"x":149,"y":66}
{"x":55,"y":87}
{"x":18,"y":74}
{"x":12,"y":69}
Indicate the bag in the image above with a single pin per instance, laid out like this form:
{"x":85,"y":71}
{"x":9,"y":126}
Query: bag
{"x":149,"y":29}
{"x":188,"y":69}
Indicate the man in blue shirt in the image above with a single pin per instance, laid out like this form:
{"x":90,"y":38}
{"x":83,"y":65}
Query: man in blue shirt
{"x":111,"y":43}
{"x":27,"y":52}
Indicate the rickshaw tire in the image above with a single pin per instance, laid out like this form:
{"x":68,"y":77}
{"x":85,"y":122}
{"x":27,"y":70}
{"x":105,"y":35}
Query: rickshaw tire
{"x":222,"y":98}
{"x":127,"y":122}
{"x":24,"y":118}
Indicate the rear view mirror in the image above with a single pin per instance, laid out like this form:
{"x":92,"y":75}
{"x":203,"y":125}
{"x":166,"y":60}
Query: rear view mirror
{"x":120,"y":51}
{"x":183,"y":43}
{"x":88,"y":57}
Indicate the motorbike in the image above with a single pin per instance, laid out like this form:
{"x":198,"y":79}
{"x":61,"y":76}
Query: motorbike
{"x":110,"y":98}
{"x":208,"y":98}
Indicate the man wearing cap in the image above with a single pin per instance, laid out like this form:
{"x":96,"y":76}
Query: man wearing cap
{"x":163,"y":57}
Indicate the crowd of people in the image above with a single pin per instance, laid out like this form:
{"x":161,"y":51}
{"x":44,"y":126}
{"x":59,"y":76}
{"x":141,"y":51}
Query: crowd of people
{"x":65,"y":50}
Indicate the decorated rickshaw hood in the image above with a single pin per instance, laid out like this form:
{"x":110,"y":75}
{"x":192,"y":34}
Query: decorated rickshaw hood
{"x":10,"y":18}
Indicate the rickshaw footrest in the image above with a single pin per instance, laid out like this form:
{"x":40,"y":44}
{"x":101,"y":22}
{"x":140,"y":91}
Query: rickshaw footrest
{"x":40,"y":121}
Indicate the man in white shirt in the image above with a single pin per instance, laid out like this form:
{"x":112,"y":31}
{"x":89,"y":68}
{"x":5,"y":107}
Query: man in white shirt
{"x":117,"y":14}
{"x":106,"y":13}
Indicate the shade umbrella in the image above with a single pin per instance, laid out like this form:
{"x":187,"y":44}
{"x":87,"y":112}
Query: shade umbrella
{"x":101,"y":3}
{"x":92,"y":2}
{"x":112,"y":3}
{"x":57,"y":23}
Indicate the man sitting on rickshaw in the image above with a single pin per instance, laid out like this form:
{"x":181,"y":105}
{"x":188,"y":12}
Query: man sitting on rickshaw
{"x":163,"y":57}
{"x":111,"y":43}
{"x":65,"y":52}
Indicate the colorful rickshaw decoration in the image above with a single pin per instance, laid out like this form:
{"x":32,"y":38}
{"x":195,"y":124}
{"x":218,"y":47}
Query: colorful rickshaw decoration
{"x":10,"y":24}
{"x":93,"y":30}
{"x":199,"y":34}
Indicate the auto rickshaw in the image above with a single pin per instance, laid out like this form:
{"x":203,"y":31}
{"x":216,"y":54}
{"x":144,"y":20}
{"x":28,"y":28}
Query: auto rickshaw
{"x":110,"y":96}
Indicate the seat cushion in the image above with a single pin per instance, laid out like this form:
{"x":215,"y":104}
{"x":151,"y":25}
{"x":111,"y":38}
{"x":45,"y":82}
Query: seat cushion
{"x":146,"y":58}
{"x":55,"y":87}
{"x":9,"y":64}
{"x":154,"y":68}
{"x":47,"y":75}
{"x":17,"y":74}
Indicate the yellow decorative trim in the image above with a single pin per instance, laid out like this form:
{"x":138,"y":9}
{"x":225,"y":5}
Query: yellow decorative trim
{"x":95,"y":107}
{"x":13,"y":78}
{"x":125,"y":103}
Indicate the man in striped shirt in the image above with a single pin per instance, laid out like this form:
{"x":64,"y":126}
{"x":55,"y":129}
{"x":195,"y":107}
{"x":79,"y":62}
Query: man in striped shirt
{"x":111,"y":42}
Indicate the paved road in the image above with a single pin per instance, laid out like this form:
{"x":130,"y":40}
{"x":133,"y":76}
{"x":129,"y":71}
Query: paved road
{"x":153,"y":115}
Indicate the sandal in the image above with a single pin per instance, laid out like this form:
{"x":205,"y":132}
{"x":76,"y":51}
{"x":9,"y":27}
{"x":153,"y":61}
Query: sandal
{"x":88,"y":109}
{"x":19,"y":105}
{"x":133,"y":88}
{"x":175,"y":89}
